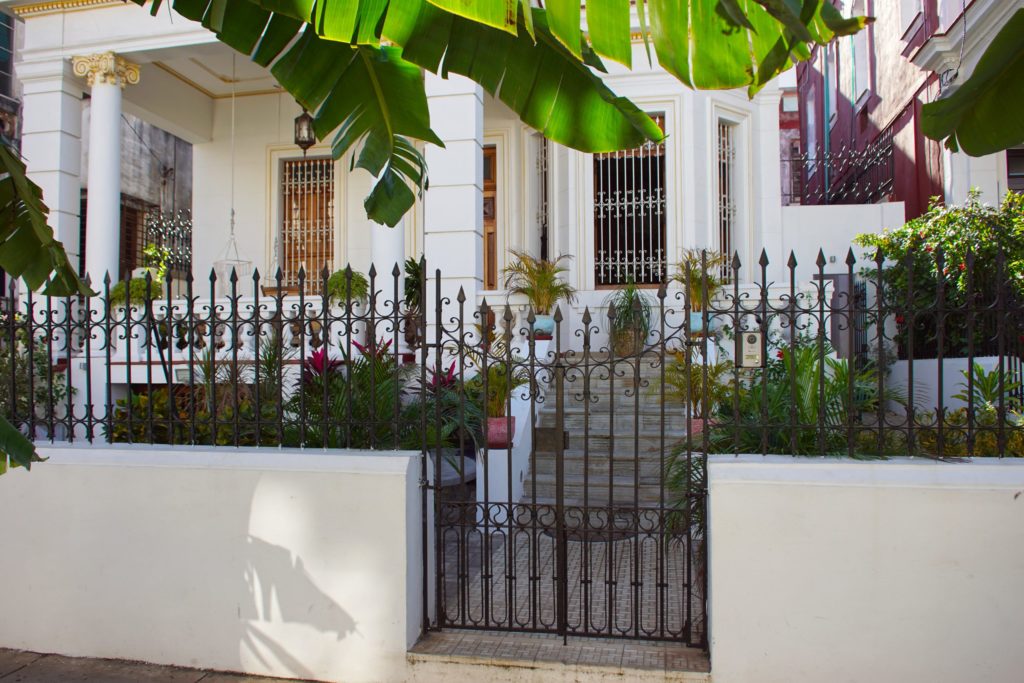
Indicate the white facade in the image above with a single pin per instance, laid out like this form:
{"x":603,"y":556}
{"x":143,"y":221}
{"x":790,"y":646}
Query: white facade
{"x":721,"y":163}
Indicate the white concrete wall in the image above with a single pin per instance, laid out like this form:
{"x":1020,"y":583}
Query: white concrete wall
{"x":834,"y":570}
{"x":806,"y":229}
{"x":294,"y":564}
{"x":925,"y":384}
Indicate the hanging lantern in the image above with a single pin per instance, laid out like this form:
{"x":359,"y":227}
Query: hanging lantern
{"x":304,"y":136}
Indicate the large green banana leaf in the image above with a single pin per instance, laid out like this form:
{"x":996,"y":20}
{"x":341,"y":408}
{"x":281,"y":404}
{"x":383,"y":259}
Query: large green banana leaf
{"x":28,"y":250}
{"x":984,"y":114}
{"x":329,"y":57}
{"x":706,"y":44}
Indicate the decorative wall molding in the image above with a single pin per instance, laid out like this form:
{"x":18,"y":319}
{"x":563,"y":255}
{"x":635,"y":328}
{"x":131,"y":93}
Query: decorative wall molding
{"x":36,"y":8}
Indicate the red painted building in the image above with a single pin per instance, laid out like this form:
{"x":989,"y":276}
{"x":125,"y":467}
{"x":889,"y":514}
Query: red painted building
{"x":861,"y":99}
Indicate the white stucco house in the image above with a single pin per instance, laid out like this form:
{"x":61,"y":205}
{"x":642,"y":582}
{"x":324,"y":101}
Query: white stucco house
{"x":497,"y":185}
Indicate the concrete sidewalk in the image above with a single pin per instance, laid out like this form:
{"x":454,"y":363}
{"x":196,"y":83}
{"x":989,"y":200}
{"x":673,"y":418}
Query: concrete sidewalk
{"x":31,"y":667}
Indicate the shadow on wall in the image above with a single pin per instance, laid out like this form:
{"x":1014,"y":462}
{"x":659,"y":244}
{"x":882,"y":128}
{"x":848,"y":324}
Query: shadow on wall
{"x":283,"y":593}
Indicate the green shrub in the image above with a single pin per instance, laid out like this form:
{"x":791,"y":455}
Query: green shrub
{"x":913,"y":271}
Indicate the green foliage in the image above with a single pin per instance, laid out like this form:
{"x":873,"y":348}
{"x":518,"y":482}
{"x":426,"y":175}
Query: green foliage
{"x":704,"y":391}
{"x":700,"y":271}
{"x":453,"y":410}
{"x":913,"y":272}
{"x":631,"y":322}
{"x":981,"y":115}
{"x":229,"y":404}
{"x":502,"y":379}
{"x":989,"y":390}
{"x":30,"y":387}
{"x":351,"y":403}
{"x":539,"y":280}
{"x":348,"y":286}
{"x":142,"y":291}
{"x":798,"y":404}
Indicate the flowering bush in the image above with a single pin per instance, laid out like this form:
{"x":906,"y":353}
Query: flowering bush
{"x":929,"y":255}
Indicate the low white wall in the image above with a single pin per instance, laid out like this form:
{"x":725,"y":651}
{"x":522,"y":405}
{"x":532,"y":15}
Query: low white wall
{"x":294,"y":564}
{"x":835,"y":570}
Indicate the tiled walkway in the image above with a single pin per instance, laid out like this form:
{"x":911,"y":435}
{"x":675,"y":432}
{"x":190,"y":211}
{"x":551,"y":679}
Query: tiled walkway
{"x":634,"y":581}
{"x":542,"y":648}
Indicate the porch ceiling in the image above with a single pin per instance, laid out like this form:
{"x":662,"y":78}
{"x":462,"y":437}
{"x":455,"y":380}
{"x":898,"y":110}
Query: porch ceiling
{"x":212,"y":69}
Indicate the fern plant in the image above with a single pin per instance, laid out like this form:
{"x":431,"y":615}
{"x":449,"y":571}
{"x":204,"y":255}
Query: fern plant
{"x":631,"y":322}
{"x":539,"y":280}
{"x":348,"y":286}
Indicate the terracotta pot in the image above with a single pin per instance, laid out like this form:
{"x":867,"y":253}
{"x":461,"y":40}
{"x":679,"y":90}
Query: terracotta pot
{"x":500,"y":431}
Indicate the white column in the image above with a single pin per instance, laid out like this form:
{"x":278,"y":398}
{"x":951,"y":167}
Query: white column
{"x":387,"y":247}
{"x":107,"y":74}
{"x":51,"y":143}
{"x":453,"y":206}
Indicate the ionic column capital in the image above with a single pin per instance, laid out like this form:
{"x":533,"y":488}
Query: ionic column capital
{"x":105,"y":67}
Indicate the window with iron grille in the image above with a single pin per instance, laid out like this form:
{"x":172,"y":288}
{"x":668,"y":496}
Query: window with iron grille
{"x":727,"y":209}
{"x":307,"y":221}
{"x":629,"y":215}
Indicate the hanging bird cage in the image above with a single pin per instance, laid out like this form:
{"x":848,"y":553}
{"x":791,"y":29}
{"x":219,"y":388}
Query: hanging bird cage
{"x":232,"y":264}
{"x":231,"y":267}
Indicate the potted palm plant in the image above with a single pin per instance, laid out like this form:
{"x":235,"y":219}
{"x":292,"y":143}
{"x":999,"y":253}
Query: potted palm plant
{"x":539,"y":280}
{"x":629,"y":319}
{"x":700,"y":273}
{"x":502,"y":380}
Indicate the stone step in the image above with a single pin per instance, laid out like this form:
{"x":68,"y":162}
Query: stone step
{"x":623,"y":491}
{"x":597,"y":467}
{"x":624,"y":421}
{"x":620,"y":444}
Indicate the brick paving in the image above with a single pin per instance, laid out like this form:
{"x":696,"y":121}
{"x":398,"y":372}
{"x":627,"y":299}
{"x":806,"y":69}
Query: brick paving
{"x":616,"y":653}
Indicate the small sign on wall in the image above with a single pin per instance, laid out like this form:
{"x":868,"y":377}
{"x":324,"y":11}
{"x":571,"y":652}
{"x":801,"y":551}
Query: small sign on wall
{"x":751,"y":350}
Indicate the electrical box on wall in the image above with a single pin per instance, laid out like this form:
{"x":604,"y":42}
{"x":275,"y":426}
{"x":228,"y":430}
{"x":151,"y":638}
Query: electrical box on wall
{"x":751,"y":350}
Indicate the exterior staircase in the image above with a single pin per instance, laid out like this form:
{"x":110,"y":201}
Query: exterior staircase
{"x":616,"y":449}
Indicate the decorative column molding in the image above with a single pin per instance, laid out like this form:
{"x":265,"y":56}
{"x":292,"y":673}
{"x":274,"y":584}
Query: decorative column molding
{"x":106,"y":67}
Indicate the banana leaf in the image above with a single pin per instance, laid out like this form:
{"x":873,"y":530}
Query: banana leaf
{"x":330,"y":57}
{"x":706,"y":44}
{"x":983,"y":114}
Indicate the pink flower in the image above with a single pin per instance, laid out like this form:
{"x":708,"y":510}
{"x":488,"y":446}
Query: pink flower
{"x":319,"y":364}
{"x":375,"y":348}
{"x":443,"y":380}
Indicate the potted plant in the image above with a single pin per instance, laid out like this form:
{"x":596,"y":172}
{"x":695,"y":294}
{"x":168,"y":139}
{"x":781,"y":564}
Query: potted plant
{"x":629,"y":319}
{"x":348,"y":286}
{"x":700,"y":273}
{"x":147,"y":282}
{"x":539,"y":280}
{"x":502,"y":380}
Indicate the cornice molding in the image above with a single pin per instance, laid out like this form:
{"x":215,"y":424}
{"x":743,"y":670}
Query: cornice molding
{"x":38,"y":8}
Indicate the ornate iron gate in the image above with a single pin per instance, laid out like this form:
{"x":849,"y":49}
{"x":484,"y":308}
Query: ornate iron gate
{"x":591,"y":522}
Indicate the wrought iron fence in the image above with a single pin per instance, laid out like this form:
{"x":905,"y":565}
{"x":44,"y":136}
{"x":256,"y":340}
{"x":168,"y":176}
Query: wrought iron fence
{"x":587,"y":516}
{"x":842,"y":176}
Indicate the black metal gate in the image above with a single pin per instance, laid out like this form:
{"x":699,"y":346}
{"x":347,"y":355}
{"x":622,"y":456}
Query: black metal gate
{"x":591,"y":521}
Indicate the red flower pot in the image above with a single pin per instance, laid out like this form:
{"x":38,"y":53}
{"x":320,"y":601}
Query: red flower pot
{"x":500,"y":431}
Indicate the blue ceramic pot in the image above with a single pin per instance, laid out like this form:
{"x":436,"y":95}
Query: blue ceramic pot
{"x":543,"y":326}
